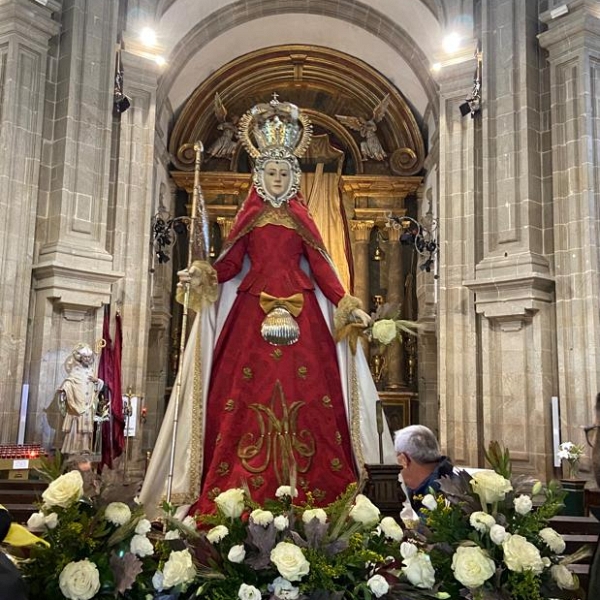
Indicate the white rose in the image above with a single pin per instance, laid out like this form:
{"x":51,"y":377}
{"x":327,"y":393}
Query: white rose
{"x":283,"y":589}
{"x":407,"y":549}
{"x":231,"y":502}
{"x":553,"y":540}
{"x":498,"y":534}
{"x":141,"y":546}
{"x":237,"y":553}
{"x":364,"y":511}
{"x":563,"y":577}
{"x":384,"y":331}
{"x":378,"y":585}
{"x":490,"y":486}
{"x":314,"y":513}
{"x":419,"y":570}
{"x":64,"y":491}
{"x":51,"y":520}
{"x":261,"y":517}
{"x":79,"y":580}
{"x":117,"y":513}
{"x":429,"y":502}
{"x":178,"y":569}
{"x":481,"y":521}
{"x":521,"y":555}
{"x":290,"y":561}
{"x":391,"y":529}
{"x":143,"y":526}
{"x":158,"y":581}
{"x":472,"y":566}
{"x":523,"y":504}
{"x":217,"y":533}
{"x":286,"y":490}
{"x":172,"y":534}
{"x":36,"y":522}
{"x":281,"y":522}
{"x":249,"y":592}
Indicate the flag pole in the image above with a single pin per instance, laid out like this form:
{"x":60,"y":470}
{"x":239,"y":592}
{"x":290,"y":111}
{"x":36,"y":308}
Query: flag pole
{"x":196,"y":230}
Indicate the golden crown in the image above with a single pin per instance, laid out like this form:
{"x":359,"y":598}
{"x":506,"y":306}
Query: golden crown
{"x":275,"y":125}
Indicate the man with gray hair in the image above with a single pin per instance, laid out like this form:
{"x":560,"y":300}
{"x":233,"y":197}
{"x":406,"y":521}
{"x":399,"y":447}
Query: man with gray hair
{"x":419,"y":455}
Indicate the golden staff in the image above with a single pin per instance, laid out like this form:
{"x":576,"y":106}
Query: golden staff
{"x":198,"y":213}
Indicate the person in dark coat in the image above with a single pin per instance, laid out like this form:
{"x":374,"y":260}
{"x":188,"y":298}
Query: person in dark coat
{"x":422,"y":462}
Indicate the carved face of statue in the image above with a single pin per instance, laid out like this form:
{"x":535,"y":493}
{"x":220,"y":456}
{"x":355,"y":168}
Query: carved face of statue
{"x":277,"y":178}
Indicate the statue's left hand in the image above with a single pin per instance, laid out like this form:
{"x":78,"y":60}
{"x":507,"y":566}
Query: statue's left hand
{"x":360,"y":316}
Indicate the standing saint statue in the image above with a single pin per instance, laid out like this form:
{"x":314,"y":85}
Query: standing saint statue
{"x":269,"y":398}
{"x":78,"y":397}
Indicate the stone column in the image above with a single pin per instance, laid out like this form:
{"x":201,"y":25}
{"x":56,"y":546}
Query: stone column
{"x":457,"y":366}
{"x":573,"y":44}
{"x":395,"y":369}
{"x":513,"y":283}
{"x":25,"y":32}
{"x":361,"y":231}
{"x":73,"y":270}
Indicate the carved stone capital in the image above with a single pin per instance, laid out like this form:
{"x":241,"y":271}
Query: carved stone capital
{"x":361,"y":230}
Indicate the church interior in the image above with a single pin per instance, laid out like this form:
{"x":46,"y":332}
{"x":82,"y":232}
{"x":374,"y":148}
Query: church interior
{"x":454,"y":175}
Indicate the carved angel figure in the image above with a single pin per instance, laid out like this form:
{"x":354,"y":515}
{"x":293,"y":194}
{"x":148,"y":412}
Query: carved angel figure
{"x":224,"y":146}
{"x":370,"y":146}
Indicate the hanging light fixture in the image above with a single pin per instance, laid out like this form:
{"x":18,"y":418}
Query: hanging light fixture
{"x":378,"y":253}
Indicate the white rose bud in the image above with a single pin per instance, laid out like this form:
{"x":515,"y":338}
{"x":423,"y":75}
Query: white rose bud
{"x":407,"y":549}
{"x":563,"y":577}
{"x":51,"y":520}
{"x":498,"y":534}
{"x":36,"y":522}
{"x":141,"y":546}
{"x":364,"y":511}
{"x":314,"y":513}
{"x":64,"y":491}
{"x":553,"y":540}
{"x":391,"y":529}
{"x":281,"y":522}
{"x":419,"y":570}
{"x":537,"y":488}
{"x":117,"y":513}
{"x":290,"y":561}
{"x":79,"y":580}
{"x":378,"y":585}
{"x":429,"y":502}
{"x":472,"y":566}
{"x":237,"y":553}
{"x":523,"y":504}
{"x":231,"y":502}
{"x":217,"y":533}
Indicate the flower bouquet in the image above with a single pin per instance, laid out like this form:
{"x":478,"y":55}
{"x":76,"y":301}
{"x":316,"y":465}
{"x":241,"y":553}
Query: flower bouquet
{"x":572,"y":453}
{"x":386,"y":326}
{"x":488,"y":536}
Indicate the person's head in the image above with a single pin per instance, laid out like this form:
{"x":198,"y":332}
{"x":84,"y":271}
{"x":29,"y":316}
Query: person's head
{"x":277,"y":176}
{"x":418,"y":453}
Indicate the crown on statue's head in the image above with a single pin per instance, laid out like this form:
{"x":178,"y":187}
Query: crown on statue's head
{"x":275,"y":125}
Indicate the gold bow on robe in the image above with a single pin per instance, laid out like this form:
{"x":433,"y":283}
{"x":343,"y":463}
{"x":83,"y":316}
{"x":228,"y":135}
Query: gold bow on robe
{"x":293,"y":304}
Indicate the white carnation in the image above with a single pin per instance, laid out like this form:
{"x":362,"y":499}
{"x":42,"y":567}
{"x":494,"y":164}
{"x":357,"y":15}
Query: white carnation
{"x":172,"y":534}
{"x":249,"y":592}
{"x":314,"y":513}
{"x":261,"y":517}
{"x":481,"y":521}
{"x":36,"y":522}
{"x":553,"y":540}
{"x":281,"y":522}
{"x":523,"y":504}
{"x":563,"y":577}
{"x":498,"y":534}
{"x":144,"y":526}
{"x":283,"y":589}
{"x":117,"y":513}
{"x":286,"y":490}
{"x":51,"y":520}
{"x":217,"y":533}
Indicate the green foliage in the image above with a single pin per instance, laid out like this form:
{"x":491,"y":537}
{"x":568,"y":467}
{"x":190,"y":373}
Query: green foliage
{"x":499,"y":459}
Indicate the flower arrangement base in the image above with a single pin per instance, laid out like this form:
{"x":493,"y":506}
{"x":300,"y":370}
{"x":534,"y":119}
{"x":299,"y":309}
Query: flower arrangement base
{"x":575,"y":498}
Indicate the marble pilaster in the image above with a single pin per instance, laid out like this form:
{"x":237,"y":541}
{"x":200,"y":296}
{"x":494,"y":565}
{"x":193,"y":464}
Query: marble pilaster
{"x":395,"y":279}
{"x":572,"y":41}
{"x":26,"y":30}
{"x":361,"y":231}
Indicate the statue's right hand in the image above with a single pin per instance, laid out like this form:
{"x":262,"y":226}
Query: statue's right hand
{"x":201,"y":274}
